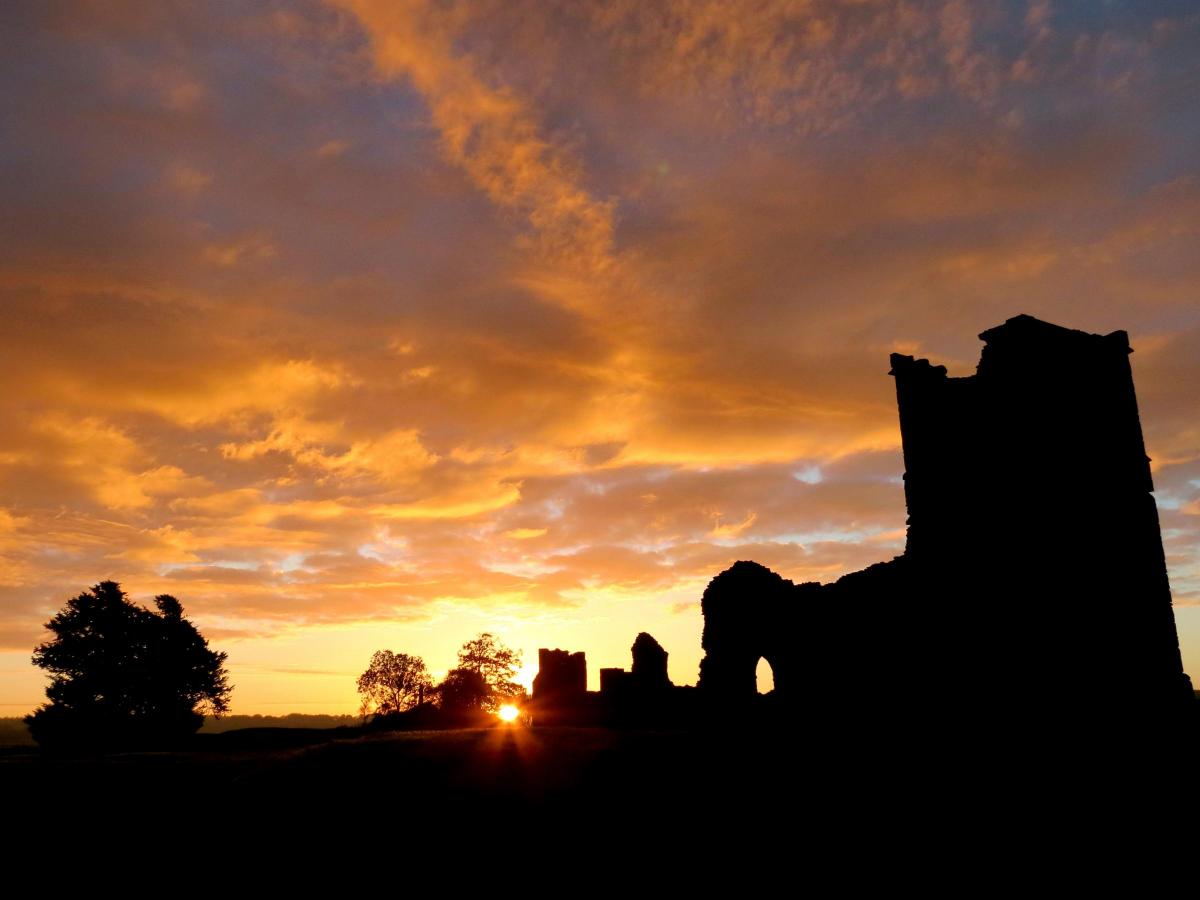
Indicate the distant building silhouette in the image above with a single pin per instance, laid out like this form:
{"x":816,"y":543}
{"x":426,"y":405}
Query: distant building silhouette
{"x":649,"y":664}
{"x":643,"y":695}
{"x":560,"y":686}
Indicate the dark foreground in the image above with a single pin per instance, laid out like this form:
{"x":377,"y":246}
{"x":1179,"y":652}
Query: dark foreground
{"x":480,"y":776}
{"x":589,"y":804}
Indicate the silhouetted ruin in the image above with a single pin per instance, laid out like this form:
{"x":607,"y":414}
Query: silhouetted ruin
{"x":643,"y":695}
{"x":560,"y":687}
{"x":561,"y":677}
{"x":1033,"y":586}
{"x":649,"y":664}
{"x":750,"y":613}
{"x":1032,"y":596}
{"x":1031,"y":480}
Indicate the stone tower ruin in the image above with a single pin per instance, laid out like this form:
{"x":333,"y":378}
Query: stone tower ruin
{"x":1033,"y":587}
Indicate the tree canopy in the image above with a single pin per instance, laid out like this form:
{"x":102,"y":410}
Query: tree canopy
{"x":496,"y":665}
{"x":464,"y":691}
{"x":393,"y":683}
{"x":121,"y":673}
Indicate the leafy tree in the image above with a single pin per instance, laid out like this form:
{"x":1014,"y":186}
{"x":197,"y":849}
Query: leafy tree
{"x":123,"y":674}
{"x":393,"y":682}
{"x":464,"y":691}
{"x":496,"y":664}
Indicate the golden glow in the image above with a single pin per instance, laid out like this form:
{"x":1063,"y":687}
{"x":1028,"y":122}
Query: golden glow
{"x":482,"y":340}
{"x":508,"y":713}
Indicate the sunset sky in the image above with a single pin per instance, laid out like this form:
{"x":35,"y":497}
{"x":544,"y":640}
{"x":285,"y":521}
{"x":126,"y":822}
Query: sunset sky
{"x":362,"y":325}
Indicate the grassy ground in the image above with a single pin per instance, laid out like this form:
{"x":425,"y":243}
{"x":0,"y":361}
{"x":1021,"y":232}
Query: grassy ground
{"x":583,"y":778}
{"x":570,"y":805}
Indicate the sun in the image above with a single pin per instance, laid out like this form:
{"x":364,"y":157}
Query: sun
{"x":508,"y":713}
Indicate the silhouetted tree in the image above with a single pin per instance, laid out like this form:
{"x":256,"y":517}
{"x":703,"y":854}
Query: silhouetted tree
{"x":123,"y":674}
{"x":464,"y":691}
{"x":393,"y":683}
{"x":496,"y":664}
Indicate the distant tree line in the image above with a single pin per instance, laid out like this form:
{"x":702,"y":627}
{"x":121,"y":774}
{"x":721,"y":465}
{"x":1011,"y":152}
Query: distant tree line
{"x":213,"y":725}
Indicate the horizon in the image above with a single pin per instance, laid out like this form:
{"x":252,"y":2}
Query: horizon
{"x":360,"y":326}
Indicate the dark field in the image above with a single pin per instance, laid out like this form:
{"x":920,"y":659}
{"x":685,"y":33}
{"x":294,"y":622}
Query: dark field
{"x":580,"y":803}
{"x":524,"y":771}
{"x":505,"y":789}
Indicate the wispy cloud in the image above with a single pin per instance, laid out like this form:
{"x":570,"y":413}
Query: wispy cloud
{"x":356,"y":322}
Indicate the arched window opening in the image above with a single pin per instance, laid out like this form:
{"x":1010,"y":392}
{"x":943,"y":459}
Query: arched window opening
{"x":764,"y":676}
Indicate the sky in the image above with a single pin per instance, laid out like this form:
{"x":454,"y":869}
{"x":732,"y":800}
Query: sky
{"x":367,"y":325}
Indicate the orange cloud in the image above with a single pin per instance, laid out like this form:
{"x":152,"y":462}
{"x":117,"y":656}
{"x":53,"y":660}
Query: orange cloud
{"x":492,"y":135}
{"x":367,"y":322}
